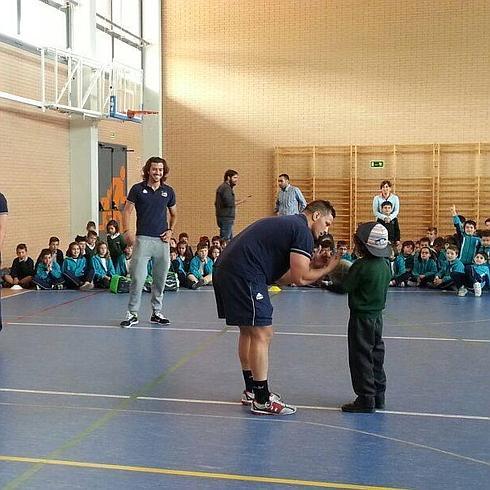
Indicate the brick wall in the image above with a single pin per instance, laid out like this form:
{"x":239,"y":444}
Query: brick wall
{"x":34,"y":172}
{"x":34,"y":157}
{"x":243,"y":77}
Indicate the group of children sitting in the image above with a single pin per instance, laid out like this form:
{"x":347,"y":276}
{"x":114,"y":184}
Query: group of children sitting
{"x":457,"y":262}
{"x":90,"y":262}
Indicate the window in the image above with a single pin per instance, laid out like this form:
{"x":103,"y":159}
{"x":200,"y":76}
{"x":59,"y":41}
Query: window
{"x":42,"y":24}
{"x":120,"y":20}
{"x":126,"y":13}
{"x":8,"y":17}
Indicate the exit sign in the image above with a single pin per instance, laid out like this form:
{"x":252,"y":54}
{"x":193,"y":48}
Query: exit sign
{"x":377,"y":163}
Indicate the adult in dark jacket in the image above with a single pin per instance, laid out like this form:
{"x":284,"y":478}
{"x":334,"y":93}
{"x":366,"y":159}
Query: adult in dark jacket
{"x":225,"y":204}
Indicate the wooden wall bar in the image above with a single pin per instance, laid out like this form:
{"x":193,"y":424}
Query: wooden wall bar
{"x":428,"y":179}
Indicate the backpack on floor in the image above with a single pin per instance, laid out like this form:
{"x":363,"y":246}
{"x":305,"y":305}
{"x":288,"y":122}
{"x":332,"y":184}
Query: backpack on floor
{"x":172,"y":282}
{"x":119,"y":284}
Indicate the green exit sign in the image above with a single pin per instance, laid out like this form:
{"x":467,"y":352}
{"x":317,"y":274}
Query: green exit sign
{"x":377,"y":163}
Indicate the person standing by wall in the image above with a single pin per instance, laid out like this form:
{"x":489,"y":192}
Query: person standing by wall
{"x":225,"y":204}
{"x":152,"y":199}
{"x":3,"y":230}
{"x":289,"y":199}
{"x":378,"y":200}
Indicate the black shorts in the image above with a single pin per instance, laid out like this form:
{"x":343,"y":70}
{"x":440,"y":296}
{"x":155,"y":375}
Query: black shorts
{"x":241,"y":301}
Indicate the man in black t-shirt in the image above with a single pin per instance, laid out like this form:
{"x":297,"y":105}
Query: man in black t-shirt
{"x":3,"y":230}
{"x":271,"y":250}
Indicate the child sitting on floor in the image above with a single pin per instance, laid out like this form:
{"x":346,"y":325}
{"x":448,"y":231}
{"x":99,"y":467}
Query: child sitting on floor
{"x":22,"y":270}
{"x":477,"y":274}
{"x":453,"y":274}
{"x":102,"y":266}
{"x":200,"y":268}
{"x":424,"y":269}
{"x":403,"y":265}
{"x":75,"y":270}
{"x":48,"y":272}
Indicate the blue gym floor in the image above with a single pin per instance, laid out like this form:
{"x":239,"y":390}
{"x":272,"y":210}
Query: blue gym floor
{"x":86,"y":404}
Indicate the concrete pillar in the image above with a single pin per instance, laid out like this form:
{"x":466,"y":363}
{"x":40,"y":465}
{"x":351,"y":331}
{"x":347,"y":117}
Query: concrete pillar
{"x":84,"y":176}
{"x":152,"y":69}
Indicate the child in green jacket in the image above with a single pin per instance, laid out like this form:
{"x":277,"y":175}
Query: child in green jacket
{"x":367,"y":284}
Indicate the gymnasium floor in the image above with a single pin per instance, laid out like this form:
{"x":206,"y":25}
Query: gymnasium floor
{"x":85,"y":404}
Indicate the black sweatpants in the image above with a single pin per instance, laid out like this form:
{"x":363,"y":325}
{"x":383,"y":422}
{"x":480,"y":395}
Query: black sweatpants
{"x":366,"y":355}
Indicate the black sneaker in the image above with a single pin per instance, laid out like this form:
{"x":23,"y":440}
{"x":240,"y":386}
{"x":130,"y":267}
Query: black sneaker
{"x":131,"y":319}
{"x":157,"y":317}
{"x":198,"y":284}
{"x":359,"y":406}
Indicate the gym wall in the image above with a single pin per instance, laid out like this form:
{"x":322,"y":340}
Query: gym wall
{"x":241,"y":78}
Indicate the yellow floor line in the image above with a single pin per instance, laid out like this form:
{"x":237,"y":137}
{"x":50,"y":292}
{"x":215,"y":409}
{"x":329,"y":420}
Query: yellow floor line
{"x":197,"y":474}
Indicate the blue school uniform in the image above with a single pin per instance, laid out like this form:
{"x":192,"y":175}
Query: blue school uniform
{"x":76,"y":267}
{"x":441,"y":260}
{"x":47,"y":279}
{"x":101,"y":270}
{"x":468,"y":244}
{"x":427,"y":268}
{"x":451,"y":267}
{"x":200,"y":269}
{"x":121,"y":265}
{"x":479,"y":273}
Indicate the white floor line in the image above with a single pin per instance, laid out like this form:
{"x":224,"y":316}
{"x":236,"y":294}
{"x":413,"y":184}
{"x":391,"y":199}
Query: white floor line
{"x":214,"y":330}
{"x":220,"y":402}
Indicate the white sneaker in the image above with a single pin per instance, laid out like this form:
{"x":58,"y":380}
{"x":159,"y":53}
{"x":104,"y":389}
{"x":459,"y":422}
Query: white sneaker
{"x":462,"y":291}
{"x":412,"y":284}
{"x":477,"y":288}
{"x":16,"y":287}
{"x":86,"y":286}
{"x":274,"y":406}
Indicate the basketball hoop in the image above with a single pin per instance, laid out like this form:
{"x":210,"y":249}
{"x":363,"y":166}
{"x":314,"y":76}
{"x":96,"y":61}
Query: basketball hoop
{"x":130,"y":113}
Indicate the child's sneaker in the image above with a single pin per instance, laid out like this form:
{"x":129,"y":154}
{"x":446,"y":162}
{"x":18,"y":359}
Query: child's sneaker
{"x":274,"y":406}
{"x":392,"y":283}
{"x":86,"y":286}
{"x":477,"y":288}
{"x":131,"y":319}
{"x":412,"y":284}
{"x":402,"y":284}
{"x":462,"y":291}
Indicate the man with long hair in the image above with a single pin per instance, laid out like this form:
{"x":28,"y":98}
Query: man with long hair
{"x":156,"y":214}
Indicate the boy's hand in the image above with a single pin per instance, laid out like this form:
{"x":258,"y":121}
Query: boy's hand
{"x":333,"y":261}
{"x":453,"y":210}
{"x":319,"y":259}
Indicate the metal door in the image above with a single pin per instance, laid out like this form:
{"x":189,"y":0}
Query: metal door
{"x":112,"y":183}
